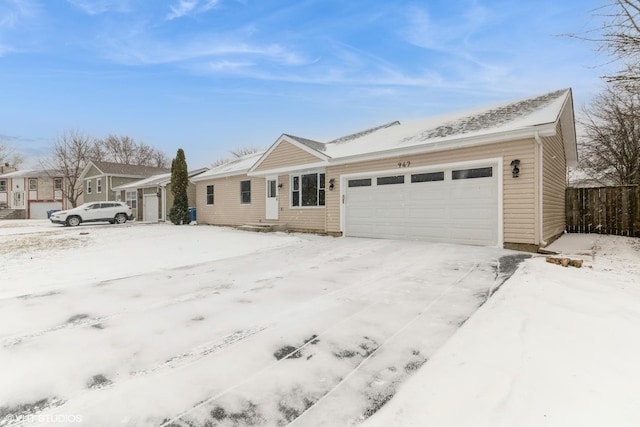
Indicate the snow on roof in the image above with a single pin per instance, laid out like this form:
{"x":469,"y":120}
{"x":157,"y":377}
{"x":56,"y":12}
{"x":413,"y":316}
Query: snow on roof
{"x":154,"y":180}
{"x":237,"y":166}
{"x":528,"y":113}
{"x":27,"y":173}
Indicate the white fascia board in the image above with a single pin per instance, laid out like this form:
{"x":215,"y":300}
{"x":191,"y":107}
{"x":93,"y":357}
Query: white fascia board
{"x":289,"y":169}
{"x":217,"y":176}
{"x":543,"y":130}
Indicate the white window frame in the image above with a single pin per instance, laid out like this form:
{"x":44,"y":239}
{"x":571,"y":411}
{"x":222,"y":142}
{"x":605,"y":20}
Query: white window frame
{"x":319,"y":189}
{"x":57,"y":183}
{"x":33,"y":187}
{"x":89,"y":189}
{"x":98,"y":185}
{"x":132,"y":201}
{"x":3,"y":185}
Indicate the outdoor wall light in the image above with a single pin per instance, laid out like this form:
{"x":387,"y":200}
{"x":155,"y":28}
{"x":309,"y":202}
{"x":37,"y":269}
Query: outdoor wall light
{"x":515,"y":168}
{"x":280,"y":185}
{"x":332,"y":184}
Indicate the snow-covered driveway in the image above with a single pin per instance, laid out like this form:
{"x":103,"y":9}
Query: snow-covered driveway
{"x":157,"y":325}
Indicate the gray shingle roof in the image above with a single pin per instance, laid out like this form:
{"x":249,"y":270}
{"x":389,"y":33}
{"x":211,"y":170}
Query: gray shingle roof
{"x":111,"y":168}
{"x":315,"y":145}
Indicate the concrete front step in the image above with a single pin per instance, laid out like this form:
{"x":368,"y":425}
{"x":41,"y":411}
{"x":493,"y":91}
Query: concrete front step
{"x":263,"y":227}
{"x":12,"y":214}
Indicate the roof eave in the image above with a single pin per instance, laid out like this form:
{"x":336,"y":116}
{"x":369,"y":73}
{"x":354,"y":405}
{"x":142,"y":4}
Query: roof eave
{"x":548,"y":129}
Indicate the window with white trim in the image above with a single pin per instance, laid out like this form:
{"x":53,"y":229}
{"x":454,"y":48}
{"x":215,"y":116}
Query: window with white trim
{"x":3,"y":185}
{"x":89,"y":187}
{"x":99,"y":185}
{"x":308,"y":190}
{"x":132,"y":199}
{"x":57,"y":183}
{"x":209,"y":194}
{"x":33,"y":184}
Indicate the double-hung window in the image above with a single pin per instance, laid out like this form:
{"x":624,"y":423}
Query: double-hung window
{"x":33,"y":184}
{"x":3,"y":185}
{"x":245,"y":192}
{"x":308,"y":189}
{"x":99,"y":185}
{"x":132,"y":199}
{"x":57,"y":183}
{"x":209,"y":194}
{"x":89,"y":187}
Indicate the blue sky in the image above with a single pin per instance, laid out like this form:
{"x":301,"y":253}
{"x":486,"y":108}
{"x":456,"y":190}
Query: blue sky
{"x":209,"y":76}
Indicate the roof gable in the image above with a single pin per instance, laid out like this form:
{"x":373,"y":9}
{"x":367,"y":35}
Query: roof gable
{"x":119,"y":169}
{"x":291,"y":150}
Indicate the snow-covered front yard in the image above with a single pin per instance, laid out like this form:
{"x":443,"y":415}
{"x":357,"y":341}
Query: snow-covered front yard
{"x":158,"y":325}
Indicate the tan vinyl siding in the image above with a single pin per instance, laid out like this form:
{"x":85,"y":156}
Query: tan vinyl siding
{"x":305,"y":219}
{"x":554,"y":185}
{"x":519,"y":193}
{"x":286,"y":154}
{"x":227,"y":209}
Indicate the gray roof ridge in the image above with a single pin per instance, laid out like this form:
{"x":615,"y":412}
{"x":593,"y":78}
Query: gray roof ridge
{"x":357,"y":135}
{"x":315,"y":145}
{"x":490,"y":117}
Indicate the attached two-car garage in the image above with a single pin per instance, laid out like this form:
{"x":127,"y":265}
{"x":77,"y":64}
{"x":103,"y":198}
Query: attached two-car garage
{"x":458,"y":204}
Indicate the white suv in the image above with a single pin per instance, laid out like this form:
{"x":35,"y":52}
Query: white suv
{"x":113,"y":212}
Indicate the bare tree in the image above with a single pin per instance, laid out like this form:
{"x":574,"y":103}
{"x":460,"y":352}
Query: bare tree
{"x":236,"y":154}
{"x":619,"y":37}
{"x":610,"y":151}
{"x":71,"y":152}
{"x":125,"y":150}
{"x":9,"y":156}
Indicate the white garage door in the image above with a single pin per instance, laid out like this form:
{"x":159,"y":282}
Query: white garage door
{"x":150,"y":208}
{"x":38,"y":210}
{"x":456,"y":205}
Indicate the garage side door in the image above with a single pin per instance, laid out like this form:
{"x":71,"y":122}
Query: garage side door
{"x":38,"y":210}
{"x":150,"y":208}
{"x":456,"y":205}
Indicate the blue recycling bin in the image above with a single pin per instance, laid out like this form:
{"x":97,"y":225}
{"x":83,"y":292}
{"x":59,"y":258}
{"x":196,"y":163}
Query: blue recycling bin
{"x":192,"y":214}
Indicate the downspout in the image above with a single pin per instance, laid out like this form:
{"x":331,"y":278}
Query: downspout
{"x":542,"y":242}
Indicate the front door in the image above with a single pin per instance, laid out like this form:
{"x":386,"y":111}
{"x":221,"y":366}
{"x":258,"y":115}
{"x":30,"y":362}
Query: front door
{"x":272,"y":198}
{"x":17,"y":194}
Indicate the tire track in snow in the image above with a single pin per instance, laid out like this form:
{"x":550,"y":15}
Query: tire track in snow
{"x":322,"y":335}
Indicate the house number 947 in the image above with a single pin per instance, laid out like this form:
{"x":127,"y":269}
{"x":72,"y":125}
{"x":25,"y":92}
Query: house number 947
{"x":404,"y":164}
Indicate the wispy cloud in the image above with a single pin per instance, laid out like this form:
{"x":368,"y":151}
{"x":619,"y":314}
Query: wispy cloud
{"x":187,"y":7}
{"x":97,"y":7}
{"x":220,"y":48}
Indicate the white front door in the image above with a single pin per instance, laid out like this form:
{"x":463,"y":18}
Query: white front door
{"x":17,"y":200}
{"x":272,"y":198}
{"x":17,"y":194}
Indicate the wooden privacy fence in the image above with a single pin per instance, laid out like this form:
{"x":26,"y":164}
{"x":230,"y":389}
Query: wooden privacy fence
{"x":604,"y":210}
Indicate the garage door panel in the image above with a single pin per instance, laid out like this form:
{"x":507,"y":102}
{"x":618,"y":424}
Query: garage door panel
{"x":458,"y":211}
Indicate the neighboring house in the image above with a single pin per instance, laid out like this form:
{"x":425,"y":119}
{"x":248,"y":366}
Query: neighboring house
{"x":225,"y":195}
{"x":493,"y":177}
{"x":34,"y":192}
{"x":155,"y":194}
{"x":100,"y":179}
